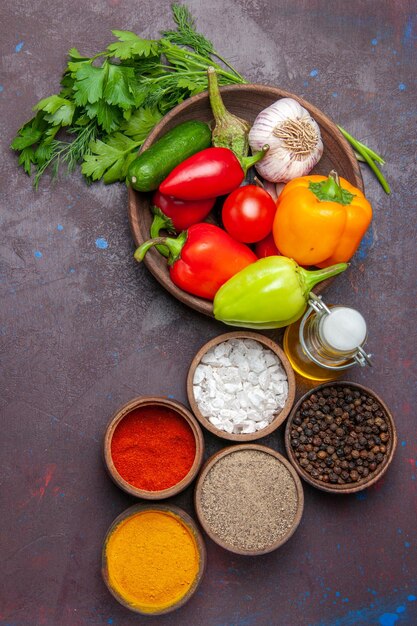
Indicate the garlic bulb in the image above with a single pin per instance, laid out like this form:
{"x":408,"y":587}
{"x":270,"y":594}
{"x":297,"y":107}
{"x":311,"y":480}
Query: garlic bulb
{"x":294,"y":140}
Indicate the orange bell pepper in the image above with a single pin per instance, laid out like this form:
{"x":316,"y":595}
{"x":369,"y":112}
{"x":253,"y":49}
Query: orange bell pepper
{"x":320,"y":220}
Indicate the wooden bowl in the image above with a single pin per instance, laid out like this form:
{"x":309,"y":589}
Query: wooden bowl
{"x":372,"y":477}
{"x":192,"y":527}
{"x":278,"y":418}
{"x":200,"y":513}
{"x":245,"y":101}
{"x":182,"y":412}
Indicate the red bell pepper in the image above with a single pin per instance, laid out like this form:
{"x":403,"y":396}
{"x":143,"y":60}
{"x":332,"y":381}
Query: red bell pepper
{"x":208,"y":173}
{"x":202,"y":258}
{"x":177,"y":215}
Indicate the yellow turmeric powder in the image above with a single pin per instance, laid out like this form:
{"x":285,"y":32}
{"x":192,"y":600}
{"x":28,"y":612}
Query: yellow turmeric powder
{"x":152,"y":560}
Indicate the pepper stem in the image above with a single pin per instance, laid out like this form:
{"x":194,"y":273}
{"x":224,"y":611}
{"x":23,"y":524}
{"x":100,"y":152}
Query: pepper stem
{"x":174,"y":247}
{"x":310,"y":278}
{"x":216,"y":101}
{"x":331,"y":190}
{"x":160,"y":222}
{"x":247,"y":162}
{"x":332,"y":187}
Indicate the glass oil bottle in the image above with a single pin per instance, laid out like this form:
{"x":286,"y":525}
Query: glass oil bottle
{"x":326,"y":341}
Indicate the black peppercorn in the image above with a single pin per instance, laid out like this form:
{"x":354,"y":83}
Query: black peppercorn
{"x":339,"y":435}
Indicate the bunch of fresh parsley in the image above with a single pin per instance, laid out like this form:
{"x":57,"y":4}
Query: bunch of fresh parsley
{"x":110,"y":102}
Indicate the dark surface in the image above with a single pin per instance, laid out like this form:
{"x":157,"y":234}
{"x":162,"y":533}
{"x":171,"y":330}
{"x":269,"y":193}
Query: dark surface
{"x":84,"y":328}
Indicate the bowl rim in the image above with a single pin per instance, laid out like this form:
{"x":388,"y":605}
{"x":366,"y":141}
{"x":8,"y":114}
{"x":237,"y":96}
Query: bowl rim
{"x":278,"y":419}
{"x":211,"y":461}
{"x":364,"y":483}
{"x":179,"y":409}
{"x":193,"y":528}
{"x":151,"y":259}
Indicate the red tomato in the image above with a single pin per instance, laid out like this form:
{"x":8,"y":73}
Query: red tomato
{"x":267,"y":247}
{"x":248,"y":214}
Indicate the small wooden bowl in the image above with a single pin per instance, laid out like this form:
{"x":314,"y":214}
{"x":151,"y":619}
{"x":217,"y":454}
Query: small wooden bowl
{"x":199,"y":486}
{"x":372,"y":477}
{"x":177,"y":408}
{"x":278,"y":418}
{"x":246,"y":101}
{"x":191,"y":525}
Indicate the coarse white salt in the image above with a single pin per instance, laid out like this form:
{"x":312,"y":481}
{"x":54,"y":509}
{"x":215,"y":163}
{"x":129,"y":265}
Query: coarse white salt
{"x":240,"y":385}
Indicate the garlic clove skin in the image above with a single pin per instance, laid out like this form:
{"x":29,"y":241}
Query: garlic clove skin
{"x":294,"y":139}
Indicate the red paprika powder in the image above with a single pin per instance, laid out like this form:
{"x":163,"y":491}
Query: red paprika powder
{"x":153,"y":448}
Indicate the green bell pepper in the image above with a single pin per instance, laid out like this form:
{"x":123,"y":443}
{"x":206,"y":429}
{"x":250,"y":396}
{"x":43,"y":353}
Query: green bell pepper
{"x":270,"y":293}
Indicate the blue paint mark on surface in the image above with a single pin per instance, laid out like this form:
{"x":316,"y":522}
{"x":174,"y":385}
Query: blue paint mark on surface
{"x":388,"y":619}
{"x":361,"y":496}
{"x":403,"y":443}
{"x":402,"y":86}
{"x":1,"y":88}
{"x":374,"y":42}
{"x":366,"y":244}
{"x":110,"y":620}
{"x":71,"y":270}
{"x":19,"y":46}
{"x":400,"y":609}
{"x":60,"y":227}
{"x":411,"y":598}
{"x":338,"y":546}
{"x":335,"y":94}
{"x":345,"y":600}
{"x":408,"y":31}
{"x":337,"y":594}
{"x":407,"y":544}
{"x":305,"y":83}
{"x":102,"y":243}
{"x":171,"y":397}
{"x":37,"y":254}
{"x":314,"y":73}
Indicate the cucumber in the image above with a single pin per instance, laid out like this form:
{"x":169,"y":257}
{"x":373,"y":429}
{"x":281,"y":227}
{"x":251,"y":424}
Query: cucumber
{"x":153,"y":165}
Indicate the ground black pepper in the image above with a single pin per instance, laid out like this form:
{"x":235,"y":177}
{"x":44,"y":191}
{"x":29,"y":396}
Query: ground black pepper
{"x":249,"y":499}
{"x":340,"y":435}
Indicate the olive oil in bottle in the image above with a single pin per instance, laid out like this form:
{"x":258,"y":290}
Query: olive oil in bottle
{"x":326,"y":341}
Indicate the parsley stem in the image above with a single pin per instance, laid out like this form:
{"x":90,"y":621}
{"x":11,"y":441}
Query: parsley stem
{"x":176,"y":52}
{"x":216,"y":54}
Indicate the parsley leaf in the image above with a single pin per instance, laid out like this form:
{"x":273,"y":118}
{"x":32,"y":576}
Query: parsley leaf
{"x":89,"y":83}
{"x":118,"y":88}
{"x":29,"y":133}
{"x":109,"y":117}
{"x":192,"y":86}
{"x":141,"y":123}
{"x":26,"y":158}
{"x":27,"y":137}
{"x":60,"y":111}
{"x":110,"y":159}
{"x":130,"y":45}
